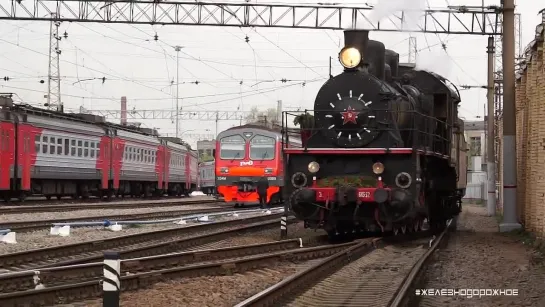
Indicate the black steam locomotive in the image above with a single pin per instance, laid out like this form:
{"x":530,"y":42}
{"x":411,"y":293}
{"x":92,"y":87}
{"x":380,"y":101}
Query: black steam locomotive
{"x":384,"y":149}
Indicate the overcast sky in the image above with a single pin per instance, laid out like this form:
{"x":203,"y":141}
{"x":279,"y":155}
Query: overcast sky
{"x":142,"y":69}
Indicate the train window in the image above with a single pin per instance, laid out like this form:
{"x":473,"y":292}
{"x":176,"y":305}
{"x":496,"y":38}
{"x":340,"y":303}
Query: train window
{"x":66,"y":147}
{"x":232,"y":147}
{"x":262,"y":148}
{"x":80,"y":151}
{"x":44,"y":148}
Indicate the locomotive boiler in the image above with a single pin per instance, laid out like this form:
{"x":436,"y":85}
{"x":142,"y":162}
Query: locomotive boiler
{"x":381,"y":149}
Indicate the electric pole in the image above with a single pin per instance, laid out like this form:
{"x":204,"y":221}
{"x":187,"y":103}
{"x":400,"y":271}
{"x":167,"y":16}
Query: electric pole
{"x":53,"y":73}
{"x":510,"y":221}
{"x":490,"y":156}
{"x":177,"y":49}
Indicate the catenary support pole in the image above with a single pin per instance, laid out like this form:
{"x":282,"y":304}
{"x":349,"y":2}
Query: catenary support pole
{"x":510,"y":221}
{"x":177,"y":49}
{"x":490,"y":158}
{"x":111,"y":281}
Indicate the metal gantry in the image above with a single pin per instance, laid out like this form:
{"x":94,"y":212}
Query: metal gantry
{"x":456,"y":20}
{"x":169,"y":114}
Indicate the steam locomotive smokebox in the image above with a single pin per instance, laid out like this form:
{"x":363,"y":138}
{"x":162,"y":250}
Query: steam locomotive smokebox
{"x":374,"y":56}
{"x":392,"y":59}
{"x":357,"y":39}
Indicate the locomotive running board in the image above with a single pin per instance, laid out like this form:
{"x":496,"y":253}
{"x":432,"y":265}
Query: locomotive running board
{"x":349,"y":151}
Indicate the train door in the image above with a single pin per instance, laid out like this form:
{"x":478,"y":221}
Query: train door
{"x":26,"y":154}
{"x":6,"y":155}
{"x":188,"y":171}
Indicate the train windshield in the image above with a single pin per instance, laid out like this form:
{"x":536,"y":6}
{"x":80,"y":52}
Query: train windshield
{"x":232,"y":147}
{"x":262,"y":148}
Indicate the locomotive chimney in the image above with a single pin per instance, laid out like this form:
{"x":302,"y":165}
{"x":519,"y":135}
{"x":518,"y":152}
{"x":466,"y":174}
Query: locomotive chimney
{"x":357,"y":39}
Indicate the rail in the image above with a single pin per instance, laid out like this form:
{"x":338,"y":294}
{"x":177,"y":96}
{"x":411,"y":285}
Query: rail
{"x":113,"y":274}
{"x":298,"y":283}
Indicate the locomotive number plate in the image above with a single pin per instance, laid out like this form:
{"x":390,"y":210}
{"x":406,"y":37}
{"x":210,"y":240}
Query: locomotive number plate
{"x":364,"y":194}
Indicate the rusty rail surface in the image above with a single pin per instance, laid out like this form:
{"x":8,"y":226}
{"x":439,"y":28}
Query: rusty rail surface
{"x":403,"y":293}
{"x":127,"y":204}
{"x":383,"y":277}
{"x":92,"y":288}
{"x":54,"y":276}
{"x":298,"y":281}
{"x":25,"y":226}
{"x":49,"y":256}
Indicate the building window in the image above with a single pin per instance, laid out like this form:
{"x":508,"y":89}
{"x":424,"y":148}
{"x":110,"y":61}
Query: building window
{"x":475,"y":146}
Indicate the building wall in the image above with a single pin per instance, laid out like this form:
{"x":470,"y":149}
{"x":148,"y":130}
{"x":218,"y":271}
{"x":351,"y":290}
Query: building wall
{"x":530,"y":138}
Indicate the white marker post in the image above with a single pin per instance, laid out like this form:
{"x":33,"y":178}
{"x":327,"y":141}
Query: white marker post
{"x":111,"y":281}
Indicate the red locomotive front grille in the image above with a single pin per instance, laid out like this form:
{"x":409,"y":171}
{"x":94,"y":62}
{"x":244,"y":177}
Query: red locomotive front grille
{"x":364,"y":194}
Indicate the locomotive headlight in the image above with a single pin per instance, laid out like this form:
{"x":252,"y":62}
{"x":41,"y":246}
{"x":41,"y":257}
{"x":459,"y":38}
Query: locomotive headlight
{"x":268,"y":171}
{"x":403,"y":180}
{"x":224,"y":170}
{"x":378,"y":168}
{"x":350,"y":57}
{"x":313,"y":167}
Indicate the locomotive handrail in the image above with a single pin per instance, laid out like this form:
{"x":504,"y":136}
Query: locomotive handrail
{"x":425,"y":130}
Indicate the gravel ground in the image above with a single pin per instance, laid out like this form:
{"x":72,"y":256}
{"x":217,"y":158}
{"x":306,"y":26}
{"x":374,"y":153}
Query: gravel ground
{"x":217,"y":290}
{"x":7,"y":218}
{"x":478,"y":257}
{"x":41,"y":239}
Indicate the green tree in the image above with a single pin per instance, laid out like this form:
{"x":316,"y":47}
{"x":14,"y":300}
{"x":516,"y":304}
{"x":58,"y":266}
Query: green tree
{"x":267,"y":117}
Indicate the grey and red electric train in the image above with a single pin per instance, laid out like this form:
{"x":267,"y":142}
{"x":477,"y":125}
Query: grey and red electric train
{"x":383,"y":149}
{"x":56,"y":154}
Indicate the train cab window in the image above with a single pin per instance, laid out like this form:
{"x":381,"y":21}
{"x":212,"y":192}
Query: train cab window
{"x":232,"y":147}
{"x":262,"y":148}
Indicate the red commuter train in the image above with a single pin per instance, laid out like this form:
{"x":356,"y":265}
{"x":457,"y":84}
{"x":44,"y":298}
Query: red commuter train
{"x":57,"y":154}
{"x":243,"y":155}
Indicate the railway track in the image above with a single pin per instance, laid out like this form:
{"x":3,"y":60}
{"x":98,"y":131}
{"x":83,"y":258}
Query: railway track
{"x":134,"y":245}
{"x":26,"y":226}
{"x":82,"y":282}
{"x":370,"y":273}
{"x":129,"y":204}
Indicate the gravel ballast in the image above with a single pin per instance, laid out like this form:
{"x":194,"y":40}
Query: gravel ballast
{"x":41,"y":239}
{"x":7,"y":218}
{"x":479,"y":257}
{"x":218,"y":290}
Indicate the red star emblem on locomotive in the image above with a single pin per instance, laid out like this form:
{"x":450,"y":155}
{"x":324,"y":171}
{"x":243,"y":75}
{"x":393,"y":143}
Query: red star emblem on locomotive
{"x":349,"y":116}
